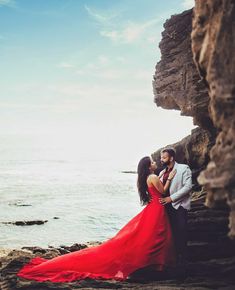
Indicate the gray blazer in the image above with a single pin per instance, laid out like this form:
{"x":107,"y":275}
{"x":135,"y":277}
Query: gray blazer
{"x":181,"y":186}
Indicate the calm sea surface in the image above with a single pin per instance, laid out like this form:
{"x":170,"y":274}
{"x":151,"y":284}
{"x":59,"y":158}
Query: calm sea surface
{"x":91,"y":197}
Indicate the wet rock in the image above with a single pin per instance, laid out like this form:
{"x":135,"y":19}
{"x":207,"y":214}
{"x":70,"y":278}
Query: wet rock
{"x":19,"y":203}
{"x":46,"y":253}
{"x":75,"y":247}
{"x":26,"y":223}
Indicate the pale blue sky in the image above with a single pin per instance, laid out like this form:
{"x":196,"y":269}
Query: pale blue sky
{"x":82,"y":71}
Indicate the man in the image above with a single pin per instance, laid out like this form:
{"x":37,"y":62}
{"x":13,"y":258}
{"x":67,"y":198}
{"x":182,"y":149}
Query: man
{"x":177,"y":200}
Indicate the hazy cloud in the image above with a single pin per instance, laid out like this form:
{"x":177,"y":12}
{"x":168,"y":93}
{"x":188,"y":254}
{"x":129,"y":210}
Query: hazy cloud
{"x":132,"y":31}
{"x":8,"y":3}
{"x":100,"y":17}
{"x":187,"y":4}
{"x":65,"y":65}
{"x":123,"y":31}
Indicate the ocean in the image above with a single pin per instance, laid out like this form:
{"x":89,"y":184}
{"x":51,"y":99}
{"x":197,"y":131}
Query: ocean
{"x":84,"y":197}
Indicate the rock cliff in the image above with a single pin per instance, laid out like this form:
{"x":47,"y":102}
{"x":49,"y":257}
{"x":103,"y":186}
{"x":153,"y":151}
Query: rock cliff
{"x":213,"y":46}
{"x":196,"y":75}
{"x":177,"y":84}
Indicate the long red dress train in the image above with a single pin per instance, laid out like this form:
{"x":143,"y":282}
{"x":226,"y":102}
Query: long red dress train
{"x":146,"y":240}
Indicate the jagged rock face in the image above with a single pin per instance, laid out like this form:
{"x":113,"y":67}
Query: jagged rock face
{"x":213,"y":46}
{"x":177,"y":84}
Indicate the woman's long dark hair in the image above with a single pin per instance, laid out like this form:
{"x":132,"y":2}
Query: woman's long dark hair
{"x":143,"y":172}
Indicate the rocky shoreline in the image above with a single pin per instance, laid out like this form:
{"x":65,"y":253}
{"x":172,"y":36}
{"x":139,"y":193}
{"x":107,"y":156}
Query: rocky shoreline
{"x":211,"y":258}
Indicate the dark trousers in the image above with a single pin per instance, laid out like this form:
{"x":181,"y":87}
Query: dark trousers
{"x":178,"y":219}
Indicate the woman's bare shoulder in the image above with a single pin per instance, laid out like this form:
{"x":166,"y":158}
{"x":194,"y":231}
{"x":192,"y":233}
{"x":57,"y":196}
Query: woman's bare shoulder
{"x":152,"y":177}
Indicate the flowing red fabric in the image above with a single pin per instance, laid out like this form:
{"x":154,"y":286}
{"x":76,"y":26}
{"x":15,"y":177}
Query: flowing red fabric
{"x":146,"y":240}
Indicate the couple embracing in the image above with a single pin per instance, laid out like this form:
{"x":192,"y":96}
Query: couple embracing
{"x":156,"y":238}
{"x":177,"y":181}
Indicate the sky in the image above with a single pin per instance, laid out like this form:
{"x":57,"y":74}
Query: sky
{"x":78,"y":73}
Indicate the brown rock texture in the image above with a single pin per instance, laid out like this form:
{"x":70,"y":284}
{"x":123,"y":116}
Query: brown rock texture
{"x":177,"y":84}
{"x":204,"y":90}
{"x":196,"y":74}
{"x":213,"y":46}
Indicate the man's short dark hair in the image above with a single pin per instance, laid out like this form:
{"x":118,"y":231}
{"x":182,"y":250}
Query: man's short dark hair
{"x":170,"y":151}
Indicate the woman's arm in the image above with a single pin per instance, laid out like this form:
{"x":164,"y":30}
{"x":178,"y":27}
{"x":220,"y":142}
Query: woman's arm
{"x":155,"y":180}
{"x":169,"y":179}
{"x":167,"y":185}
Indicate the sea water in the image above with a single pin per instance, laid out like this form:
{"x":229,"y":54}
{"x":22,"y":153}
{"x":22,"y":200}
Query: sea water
{"x":83,"y":198}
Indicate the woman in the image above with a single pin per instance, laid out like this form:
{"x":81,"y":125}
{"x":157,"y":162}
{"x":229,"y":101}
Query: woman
{"x":146,"y":240}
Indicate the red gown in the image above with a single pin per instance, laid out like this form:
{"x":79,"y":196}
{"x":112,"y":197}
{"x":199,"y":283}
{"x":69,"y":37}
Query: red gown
{"x":146,"y":240}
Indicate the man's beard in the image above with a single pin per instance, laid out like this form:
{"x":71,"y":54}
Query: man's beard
{"x":165,"y":164}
